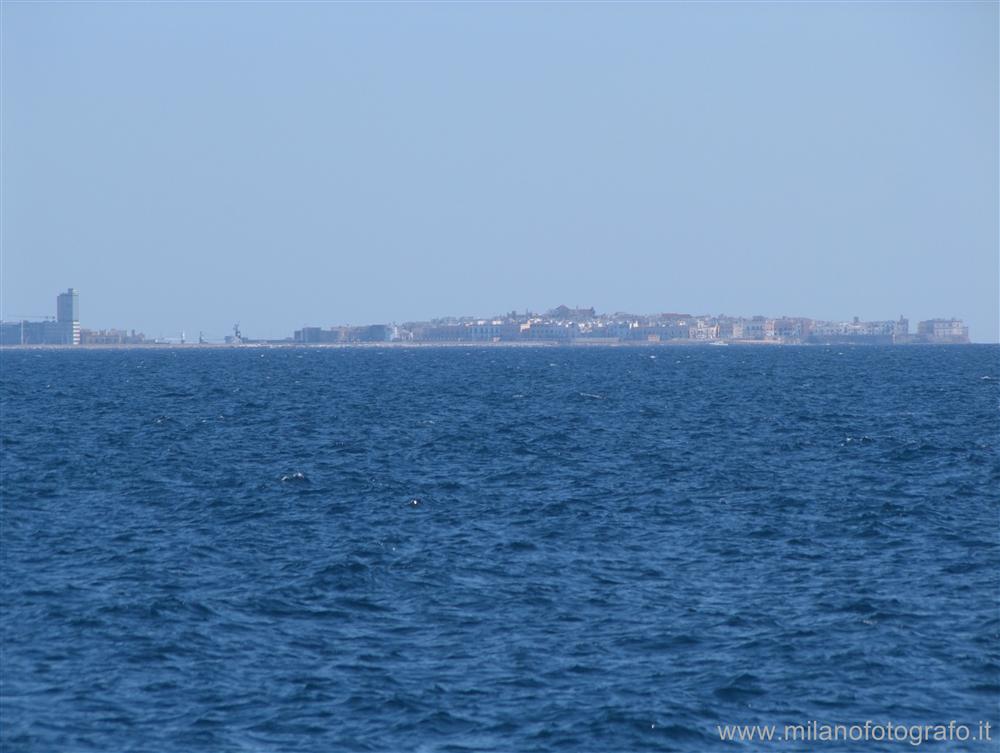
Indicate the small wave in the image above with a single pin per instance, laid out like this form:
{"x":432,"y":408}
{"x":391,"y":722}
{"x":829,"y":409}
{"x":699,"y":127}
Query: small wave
{"x":297,"y":478}
{"x":989,"y":688}
{"x":863,"y":439}
{"x":521,"y":546}
{"x":740,"y":688}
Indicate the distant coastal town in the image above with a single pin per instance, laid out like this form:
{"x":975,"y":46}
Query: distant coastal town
{"x":561,"y":325}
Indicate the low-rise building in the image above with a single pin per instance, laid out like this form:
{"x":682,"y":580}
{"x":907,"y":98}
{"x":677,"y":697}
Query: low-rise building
{"x":703,"y":330}
{"x":111,"y":337}
{"x":792,"y":329}
{"x":555,"y":331}
{"x":942,"y":331}
{"x":730,"y":328}
{"x":758,"y":328}
{"x":45,"y":332}
{"x":315,"y":335}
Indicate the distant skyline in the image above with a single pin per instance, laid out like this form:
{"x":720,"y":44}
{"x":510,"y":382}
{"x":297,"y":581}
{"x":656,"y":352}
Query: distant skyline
{"x":571,"y":313}
{"x":189,"y":165}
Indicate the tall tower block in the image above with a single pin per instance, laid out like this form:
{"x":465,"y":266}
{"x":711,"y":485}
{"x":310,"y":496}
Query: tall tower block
{"x":68,"y":316}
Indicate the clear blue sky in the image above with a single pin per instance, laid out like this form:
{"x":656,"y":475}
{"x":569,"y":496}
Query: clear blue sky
{"x":188,"y":165}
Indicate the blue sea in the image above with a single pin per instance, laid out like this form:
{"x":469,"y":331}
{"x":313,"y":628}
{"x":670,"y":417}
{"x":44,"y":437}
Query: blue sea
{"x":496,"y":549}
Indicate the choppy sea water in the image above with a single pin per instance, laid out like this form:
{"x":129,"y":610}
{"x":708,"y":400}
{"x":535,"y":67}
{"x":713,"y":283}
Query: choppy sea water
{"x":495,"y":549}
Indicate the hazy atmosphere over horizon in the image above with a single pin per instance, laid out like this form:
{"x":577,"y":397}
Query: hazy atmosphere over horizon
{"x":189,"y":165}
